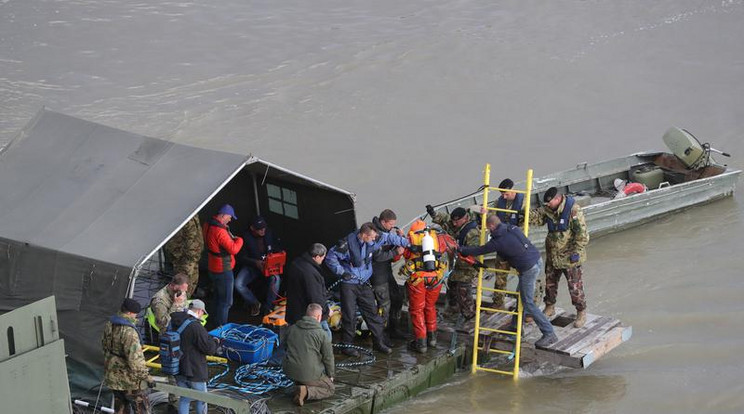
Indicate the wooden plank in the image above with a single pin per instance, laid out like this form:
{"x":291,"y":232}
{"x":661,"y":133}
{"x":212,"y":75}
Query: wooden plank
{"x":577,"y":333}
{"x":608,"y":342}
{"x":596,"y":334}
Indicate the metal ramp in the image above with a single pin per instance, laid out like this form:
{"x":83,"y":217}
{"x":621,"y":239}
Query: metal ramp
{"x":484,"y":344}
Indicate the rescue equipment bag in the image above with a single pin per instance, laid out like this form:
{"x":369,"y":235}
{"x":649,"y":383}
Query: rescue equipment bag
{"x":170,"y":349}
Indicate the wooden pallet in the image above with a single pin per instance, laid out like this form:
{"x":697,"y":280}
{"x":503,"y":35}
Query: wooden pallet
{"x":576,"y":347}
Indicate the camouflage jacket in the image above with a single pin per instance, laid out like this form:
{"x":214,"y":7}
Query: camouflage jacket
{"x":559,"y":246}
{"x":188,"y":243}
{"x":162,"y":305}
{"x":124,"y":363}
{"x":463,"y":272}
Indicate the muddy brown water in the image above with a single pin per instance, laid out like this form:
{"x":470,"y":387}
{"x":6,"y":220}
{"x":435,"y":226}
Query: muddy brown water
{"x":404,"y":102}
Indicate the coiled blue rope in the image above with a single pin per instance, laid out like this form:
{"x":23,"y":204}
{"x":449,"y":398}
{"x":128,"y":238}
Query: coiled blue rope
{"x":256,"y":379}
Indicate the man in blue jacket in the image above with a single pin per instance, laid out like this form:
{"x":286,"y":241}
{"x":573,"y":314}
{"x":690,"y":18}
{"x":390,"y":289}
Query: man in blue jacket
{"x":351,"y":259}
{"x":512,"y":245}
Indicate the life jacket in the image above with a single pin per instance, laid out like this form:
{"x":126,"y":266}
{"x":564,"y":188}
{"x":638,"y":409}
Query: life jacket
{"x":355,"y":251}
{"x":428,"y":271}
{"x":170,"y":349}
{"x":510,"y":218}
{"x":121,"y":321}
{"x":463,"y":234}
{"x":150,"y":317}
{"x":565,"y":218}
{"x":216,"y":256}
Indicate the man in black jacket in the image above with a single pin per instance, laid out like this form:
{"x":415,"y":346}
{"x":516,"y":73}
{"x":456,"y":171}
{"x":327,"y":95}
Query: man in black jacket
{"x":196,"y":344}
{"x":305,"y":285}
{"x":388,"y":293}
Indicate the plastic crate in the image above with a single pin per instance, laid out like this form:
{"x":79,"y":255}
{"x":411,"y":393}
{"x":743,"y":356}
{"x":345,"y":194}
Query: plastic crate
{"x":257,"y":348}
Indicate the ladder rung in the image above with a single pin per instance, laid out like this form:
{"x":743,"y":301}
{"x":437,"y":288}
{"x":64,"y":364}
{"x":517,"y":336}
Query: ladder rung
{"x":512,"y":190}
{"x":498,"y":371}
{"x":493,"y":269}
{"x":498,"y":310}
{"x":508,"y":292}
{"x":502,"y":209}
{"x":498,"y":351}
{"x":497,"y":331}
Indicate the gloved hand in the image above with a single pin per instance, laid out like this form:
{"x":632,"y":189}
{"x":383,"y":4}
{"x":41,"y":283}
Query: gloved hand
{"x":430,"y":210}
{"x":346,"y":276}
{"x":478,"y":265}
{"x":574,"y":258}
{"x":414,"y":248}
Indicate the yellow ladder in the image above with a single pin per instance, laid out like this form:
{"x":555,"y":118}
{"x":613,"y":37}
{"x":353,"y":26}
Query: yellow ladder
{"x":479,"y":291}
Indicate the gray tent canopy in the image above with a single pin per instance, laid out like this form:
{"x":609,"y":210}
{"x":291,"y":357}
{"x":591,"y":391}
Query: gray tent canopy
{"x":82,"y":205}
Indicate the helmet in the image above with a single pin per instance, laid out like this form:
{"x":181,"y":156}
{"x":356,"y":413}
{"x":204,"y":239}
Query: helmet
{"x":418,"y":225}
{"x":619,"y":184}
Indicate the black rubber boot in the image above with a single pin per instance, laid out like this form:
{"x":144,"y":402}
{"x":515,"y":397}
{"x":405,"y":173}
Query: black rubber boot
{"x":393,"y":329}
{"x":418,"y":345}
{"x":431,"y":339}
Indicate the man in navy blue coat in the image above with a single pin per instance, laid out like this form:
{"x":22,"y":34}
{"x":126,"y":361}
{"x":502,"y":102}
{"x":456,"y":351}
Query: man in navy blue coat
{"x":512,"y":245}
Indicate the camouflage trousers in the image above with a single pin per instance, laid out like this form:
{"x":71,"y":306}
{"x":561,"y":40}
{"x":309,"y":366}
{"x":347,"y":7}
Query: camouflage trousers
{"x":463,"y":292}
{"x":135,"y":400}
{"x":499,"y":282}
{"x":575,"y":285}
{"x":190,"y":269}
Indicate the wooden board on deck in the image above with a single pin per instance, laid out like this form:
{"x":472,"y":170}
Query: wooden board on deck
{"x":576,"y":347}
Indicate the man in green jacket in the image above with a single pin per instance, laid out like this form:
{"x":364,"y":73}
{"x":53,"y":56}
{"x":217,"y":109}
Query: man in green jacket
{"x":309,"y":359}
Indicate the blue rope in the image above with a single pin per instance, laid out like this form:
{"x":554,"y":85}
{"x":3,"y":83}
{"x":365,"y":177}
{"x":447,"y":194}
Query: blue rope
{"x":257,"y":379}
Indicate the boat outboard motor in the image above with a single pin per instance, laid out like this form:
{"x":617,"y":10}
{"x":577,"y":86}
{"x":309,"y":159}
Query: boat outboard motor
{"x":428,"y":256}
{"x":688,"y":149}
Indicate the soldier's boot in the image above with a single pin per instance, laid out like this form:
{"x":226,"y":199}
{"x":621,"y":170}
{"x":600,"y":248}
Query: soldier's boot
{"x":418,"y":345}
{"x":580,"y":319}
{"x":549,"y":310}
{"x":431,"y":339}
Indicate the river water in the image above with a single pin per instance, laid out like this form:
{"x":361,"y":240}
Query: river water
{"x":404,"y":102}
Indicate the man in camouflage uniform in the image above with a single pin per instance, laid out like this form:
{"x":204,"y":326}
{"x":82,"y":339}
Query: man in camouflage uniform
{"x":124,"y":367}
{"x":461,"y":226}
{"x":185,"y":250}
{"x":171,"y":298}
{"x":565,"y":247}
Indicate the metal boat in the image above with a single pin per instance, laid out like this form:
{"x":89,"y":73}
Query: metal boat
{"x":687,"y":177}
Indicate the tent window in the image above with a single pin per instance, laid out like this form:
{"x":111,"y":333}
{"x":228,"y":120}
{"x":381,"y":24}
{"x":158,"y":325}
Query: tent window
{"x":282,"y":201}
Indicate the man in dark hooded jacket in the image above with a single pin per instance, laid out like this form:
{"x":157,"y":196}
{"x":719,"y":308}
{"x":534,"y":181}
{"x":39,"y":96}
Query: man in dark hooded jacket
{"x":196,"y":344}
{"x":388,"y":293}
{"x":305,"y":285}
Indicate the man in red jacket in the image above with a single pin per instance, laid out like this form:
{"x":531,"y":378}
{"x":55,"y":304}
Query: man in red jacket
{"x":222,"y":247}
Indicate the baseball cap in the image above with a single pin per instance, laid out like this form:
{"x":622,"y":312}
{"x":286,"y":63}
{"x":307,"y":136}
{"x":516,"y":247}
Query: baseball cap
{"x":227,"y":209}
{"x":197,"y":304}
{"x":259,"y":223}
